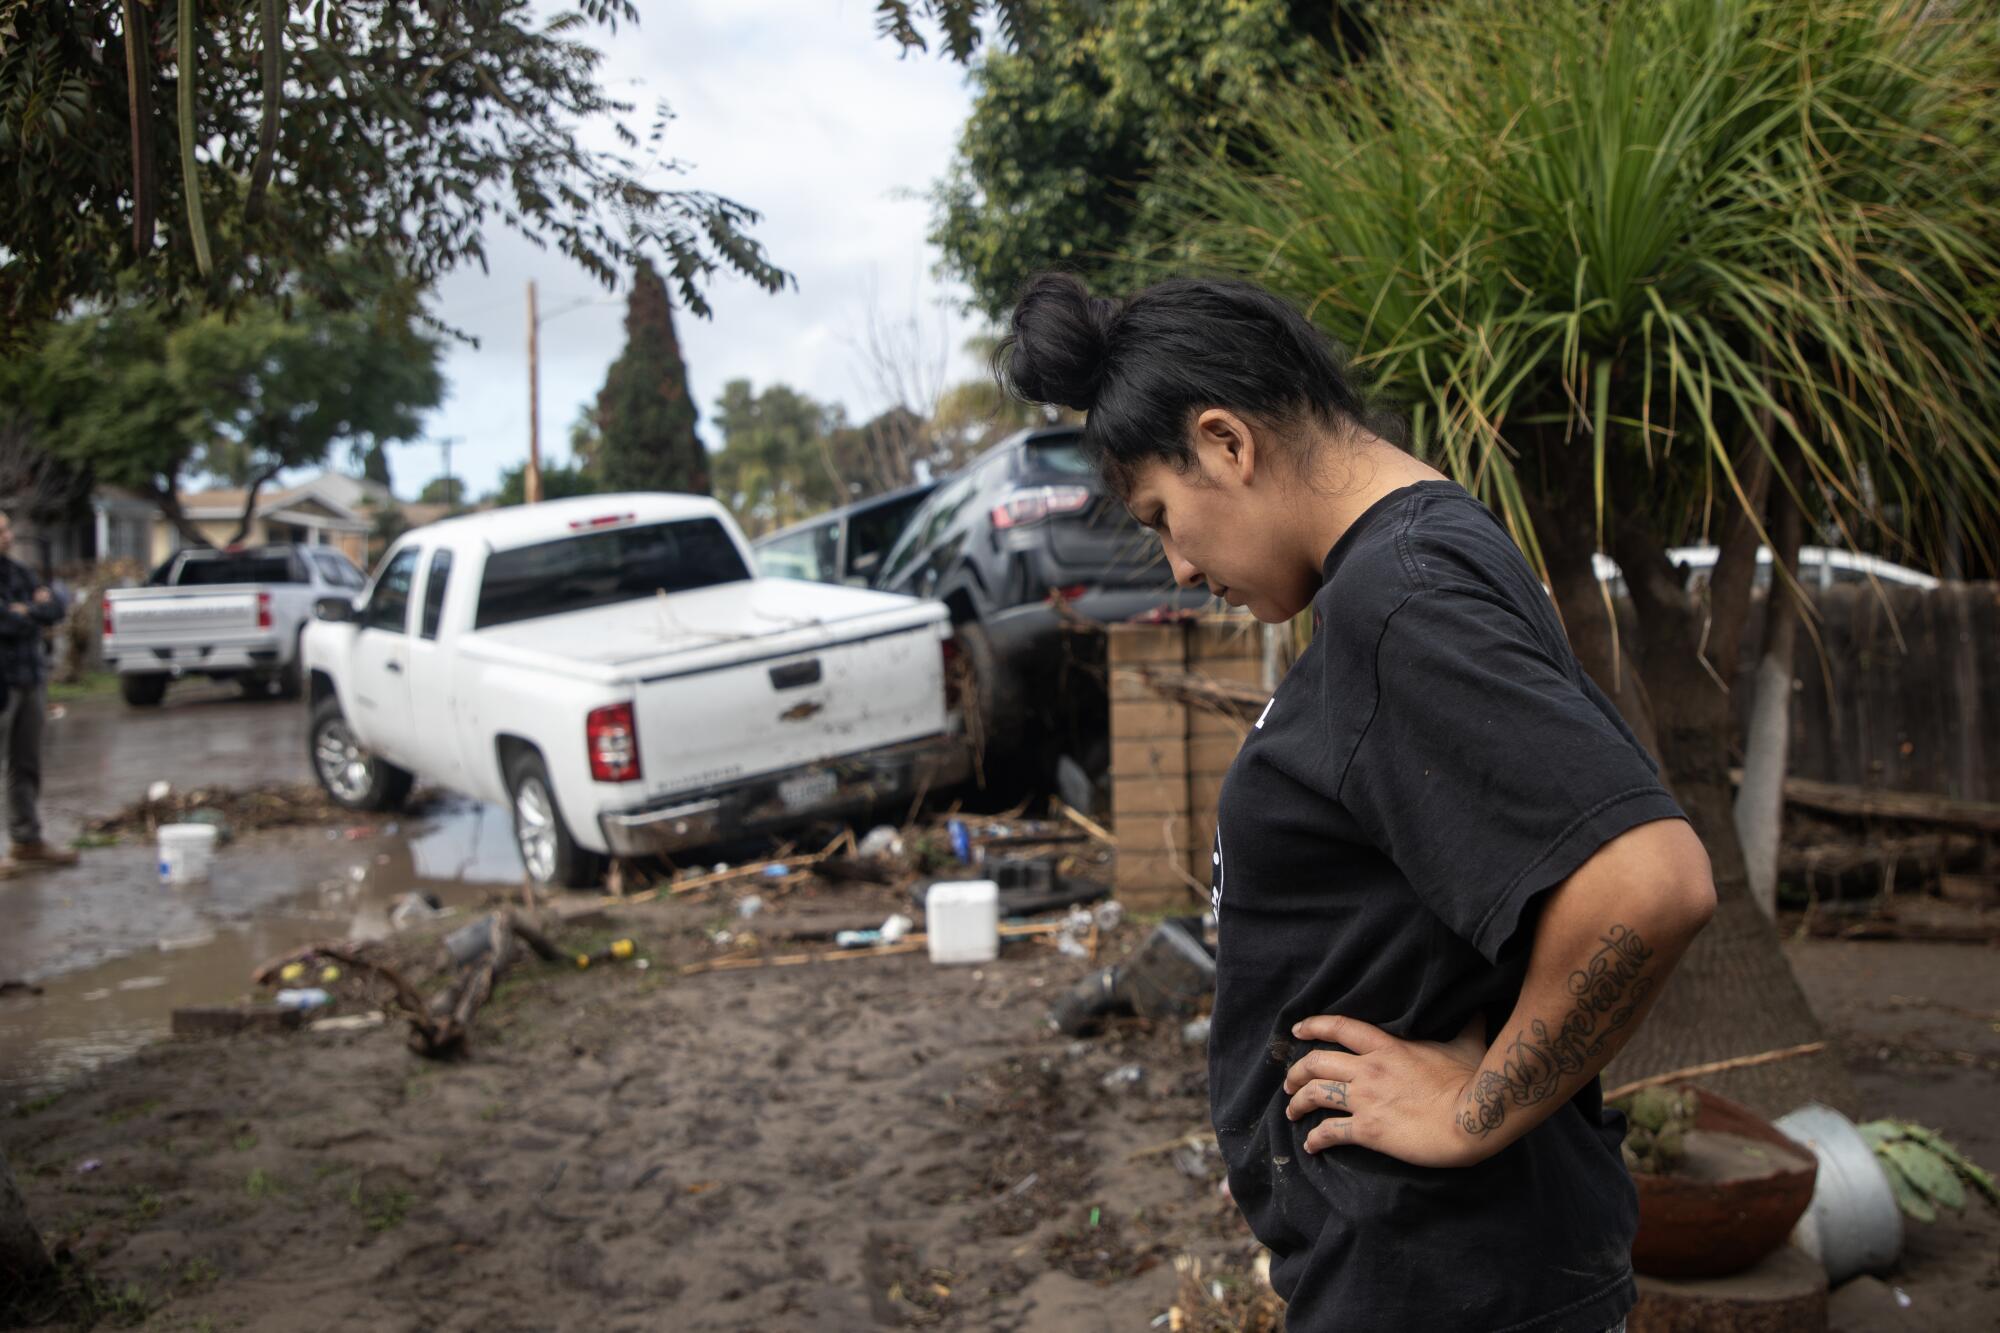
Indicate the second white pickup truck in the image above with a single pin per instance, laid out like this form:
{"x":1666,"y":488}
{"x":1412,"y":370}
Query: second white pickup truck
{"x":228,"y":615}
{"x":612,"y":670}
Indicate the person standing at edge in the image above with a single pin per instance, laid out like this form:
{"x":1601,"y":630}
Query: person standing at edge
{"x":1448,"y":883}
{"x":27,"y":609}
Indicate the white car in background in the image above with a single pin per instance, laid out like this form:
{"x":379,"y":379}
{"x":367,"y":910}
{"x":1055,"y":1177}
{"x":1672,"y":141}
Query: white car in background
{"x":1819,"y":566}
{"x":612,"y":669}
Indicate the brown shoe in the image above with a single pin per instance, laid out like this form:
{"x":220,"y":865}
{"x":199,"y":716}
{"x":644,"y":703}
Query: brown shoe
{"x":41,"y":854}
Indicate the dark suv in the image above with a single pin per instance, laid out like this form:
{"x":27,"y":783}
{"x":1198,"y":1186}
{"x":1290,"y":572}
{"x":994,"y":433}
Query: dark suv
{"x":843,"y":546}
{"x":1027,"y":524}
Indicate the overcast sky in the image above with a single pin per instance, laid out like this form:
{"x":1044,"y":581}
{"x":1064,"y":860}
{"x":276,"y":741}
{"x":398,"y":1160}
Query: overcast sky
{"x":792,"y":107}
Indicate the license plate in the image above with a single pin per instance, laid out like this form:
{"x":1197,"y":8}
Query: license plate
{"x":807,"y":789}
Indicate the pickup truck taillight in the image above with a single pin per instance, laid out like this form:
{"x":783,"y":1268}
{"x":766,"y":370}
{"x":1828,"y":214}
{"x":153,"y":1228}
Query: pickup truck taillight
{"x":614,"y":743}
{"x":1035,"y":503}
{"x":263,"y":610}
{"x":107,"y":617}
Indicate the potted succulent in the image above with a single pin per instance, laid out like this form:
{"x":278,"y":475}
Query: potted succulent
{"x":1719,"y":1187}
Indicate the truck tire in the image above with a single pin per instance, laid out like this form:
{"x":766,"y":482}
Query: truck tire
{"x":993,"y":714}
{"x":550,"y":855}
{"x":143,"y":691}
{"x":351,"y":776}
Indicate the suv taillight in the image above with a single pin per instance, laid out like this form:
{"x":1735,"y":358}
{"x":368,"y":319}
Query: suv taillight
{"x":1035,"y":503}
{"x":263,"y":610}
{"x":614,"y":743}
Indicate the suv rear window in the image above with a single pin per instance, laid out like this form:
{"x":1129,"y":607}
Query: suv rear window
{"x":604,"y":568}
{"x":207,"y":571}
{"x":1060,"y":455}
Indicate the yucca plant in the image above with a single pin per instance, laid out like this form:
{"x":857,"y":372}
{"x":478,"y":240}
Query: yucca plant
{"x":1651,"y":271}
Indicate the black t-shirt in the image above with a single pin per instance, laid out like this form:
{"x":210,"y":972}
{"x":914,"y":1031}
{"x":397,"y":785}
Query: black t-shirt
{"x":1434,"y":761}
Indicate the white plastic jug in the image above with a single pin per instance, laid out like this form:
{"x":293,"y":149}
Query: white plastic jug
{"x":185,"y":852}
{"x":962,"y":921}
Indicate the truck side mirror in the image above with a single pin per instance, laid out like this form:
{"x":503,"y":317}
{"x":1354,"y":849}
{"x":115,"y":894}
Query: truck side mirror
{"x":338,"y":609}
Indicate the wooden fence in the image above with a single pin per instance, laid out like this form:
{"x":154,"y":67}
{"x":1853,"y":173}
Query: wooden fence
{"x":1905,"y":695}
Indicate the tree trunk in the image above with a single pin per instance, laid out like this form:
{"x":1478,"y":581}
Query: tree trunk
{"x":1589,"y":616}
{"x":250,"y":493}
{"x":1733,"y":993}
{"x":1760,"y":802}
{"x":26,"y":1272}
{"x":168,"y":502}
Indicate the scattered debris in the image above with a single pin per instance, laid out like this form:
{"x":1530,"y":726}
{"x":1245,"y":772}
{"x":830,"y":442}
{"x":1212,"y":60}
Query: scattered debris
{"x":890,"y":931}
{"x":615,"y":952}
{"x":308,"y":998}
{"x":278,"y":805}
{"x":1123,"y":1078}
{"x":349,"y":1022}
{"x":1166,"y":978}
{"x":19,"y":988}
{"x":1913,"y":918}
{"x":881,"y":841}
{"x":1086,"y":823}
{"x":1714,"y":1067}
{"x":412,"y":909}
{"x":438,"y":1027}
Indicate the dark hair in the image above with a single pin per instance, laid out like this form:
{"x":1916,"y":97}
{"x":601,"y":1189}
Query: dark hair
{"x":1142,"y":368}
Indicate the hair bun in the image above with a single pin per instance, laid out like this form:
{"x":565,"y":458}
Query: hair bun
{"x":1059,"y":342}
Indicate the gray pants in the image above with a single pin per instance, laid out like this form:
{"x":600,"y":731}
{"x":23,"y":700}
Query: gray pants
{"x":21,"y":758}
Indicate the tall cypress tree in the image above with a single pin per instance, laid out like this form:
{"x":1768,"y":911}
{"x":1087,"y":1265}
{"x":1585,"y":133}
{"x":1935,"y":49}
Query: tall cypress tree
{"x":644,"y":411}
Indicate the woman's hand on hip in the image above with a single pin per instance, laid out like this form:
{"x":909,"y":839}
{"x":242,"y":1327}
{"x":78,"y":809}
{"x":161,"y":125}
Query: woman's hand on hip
{"x":1400,"y":1098}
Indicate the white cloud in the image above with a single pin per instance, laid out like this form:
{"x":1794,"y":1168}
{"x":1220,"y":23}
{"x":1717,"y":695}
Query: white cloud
{"x":795,"y":109}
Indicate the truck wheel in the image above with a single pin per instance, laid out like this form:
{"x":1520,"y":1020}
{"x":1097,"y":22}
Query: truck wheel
{"x":351,"y":776}
{"x":552,"y":857}
{"x":143,"y":691}
{"x":992,"y":716}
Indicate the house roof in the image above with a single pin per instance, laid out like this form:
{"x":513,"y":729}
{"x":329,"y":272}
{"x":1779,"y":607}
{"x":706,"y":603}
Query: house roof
{"x":228,"y":503}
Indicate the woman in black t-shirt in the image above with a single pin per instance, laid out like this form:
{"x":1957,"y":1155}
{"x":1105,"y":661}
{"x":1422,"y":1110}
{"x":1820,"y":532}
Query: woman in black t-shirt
{"x":1447,"y":883}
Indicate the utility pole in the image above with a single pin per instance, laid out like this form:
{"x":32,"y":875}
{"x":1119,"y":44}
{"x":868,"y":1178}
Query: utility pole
{"x":451,"y":496}
{"x":533,"y":479}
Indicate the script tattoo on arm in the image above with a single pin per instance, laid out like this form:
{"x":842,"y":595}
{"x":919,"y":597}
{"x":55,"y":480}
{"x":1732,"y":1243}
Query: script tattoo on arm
{"x":1606,"y":991}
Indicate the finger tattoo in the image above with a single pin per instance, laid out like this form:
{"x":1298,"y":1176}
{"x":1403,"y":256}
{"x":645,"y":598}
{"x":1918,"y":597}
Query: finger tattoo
{"x":1334,"y":1095}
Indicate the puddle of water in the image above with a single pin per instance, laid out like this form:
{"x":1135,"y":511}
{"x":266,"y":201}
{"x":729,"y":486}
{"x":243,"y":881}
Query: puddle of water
{"x":116,"y":952}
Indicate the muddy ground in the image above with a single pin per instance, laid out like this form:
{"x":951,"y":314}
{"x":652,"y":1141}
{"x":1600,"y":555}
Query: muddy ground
{"x":861,"y":1144}
{"x":869,"y":1143}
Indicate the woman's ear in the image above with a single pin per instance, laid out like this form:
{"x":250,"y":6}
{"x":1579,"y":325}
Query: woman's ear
{"x":1226,"y":445}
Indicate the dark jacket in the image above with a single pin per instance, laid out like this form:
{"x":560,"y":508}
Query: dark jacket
{"x":24,"y":660}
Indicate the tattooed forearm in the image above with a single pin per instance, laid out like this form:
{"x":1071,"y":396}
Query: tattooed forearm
{"x":1607,"y":991}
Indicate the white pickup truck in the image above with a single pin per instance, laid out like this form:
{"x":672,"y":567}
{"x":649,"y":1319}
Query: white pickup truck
{"x":613,"y":671}
{"x":228,"y":615}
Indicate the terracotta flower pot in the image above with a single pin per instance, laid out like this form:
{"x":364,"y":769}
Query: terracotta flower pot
{"x":1691,"y":1227}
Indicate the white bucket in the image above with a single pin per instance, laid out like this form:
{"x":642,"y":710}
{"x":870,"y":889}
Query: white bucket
{"x":962,"y":921}
{"x":185,"y":852}
{"x":1853,"y":1224}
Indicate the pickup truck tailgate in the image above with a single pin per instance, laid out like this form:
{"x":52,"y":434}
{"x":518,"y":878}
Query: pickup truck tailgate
{"x":749,"y":678}
{"x":848,"y":684}
{"x":163,"y":617}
